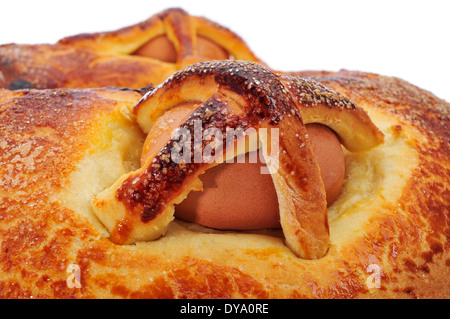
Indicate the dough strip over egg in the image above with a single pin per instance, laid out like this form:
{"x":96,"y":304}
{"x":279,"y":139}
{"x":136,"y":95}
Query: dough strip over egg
{"x":231,"y":94}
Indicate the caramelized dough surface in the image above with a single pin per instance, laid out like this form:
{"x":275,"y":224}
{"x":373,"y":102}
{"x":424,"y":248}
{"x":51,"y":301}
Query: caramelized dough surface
{"x":392,"y":213}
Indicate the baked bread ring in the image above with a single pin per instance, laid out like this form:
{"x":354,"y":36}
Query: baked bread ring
{"x":388,"y":231}
{"x":134,"y":57}
{"x":389,"y":228}
{"x":187,"y":34}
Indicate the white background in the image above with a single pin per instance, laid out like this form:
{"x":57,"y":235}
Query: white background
{"x":407,"y":39}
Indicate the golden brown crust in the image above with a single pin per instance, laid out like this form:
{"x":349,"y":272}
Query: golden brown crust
{"x":106,"y":59}
{"x":400,"y":225}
